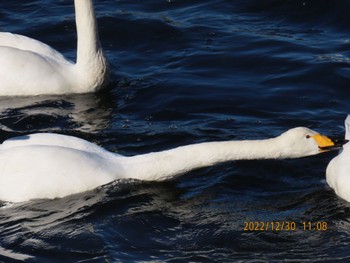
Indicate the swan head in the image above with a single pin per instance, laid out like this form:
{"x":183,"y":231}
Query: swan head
{"x":301,"y":141}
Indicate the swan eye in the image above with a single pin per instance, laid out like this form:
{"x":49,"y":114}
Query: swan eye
{"x":308,"y":136}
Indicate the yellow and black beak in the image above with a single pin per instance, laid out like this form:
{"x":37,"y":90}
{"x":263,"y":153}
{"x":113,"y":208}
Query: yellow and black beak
{"x":328,"y":143}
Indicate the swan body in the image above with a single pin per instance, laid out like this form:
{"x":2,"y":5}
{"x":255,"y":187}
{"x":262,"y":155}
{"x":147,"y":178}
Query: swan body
{"x":50,"y":166}
{"x":29,"y":67}
{"x":338,"y":169}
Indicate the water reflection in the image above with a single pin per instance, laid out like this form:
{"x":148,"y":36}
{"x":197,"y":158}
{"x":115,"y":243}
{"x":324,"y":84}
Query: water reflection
{"x":73,"y":225}
{"x":88,"y":113}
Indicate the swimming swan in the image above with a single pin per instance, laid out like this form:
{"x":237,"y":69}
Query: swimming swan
{"x":29,"y":67}
{"x":338,"y":169}
{"x":50,"y":166}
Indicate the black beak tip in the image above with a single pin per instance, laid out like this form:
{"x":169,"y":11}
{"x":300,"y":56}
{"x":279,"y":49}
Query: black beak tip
{"x":339,"y":142}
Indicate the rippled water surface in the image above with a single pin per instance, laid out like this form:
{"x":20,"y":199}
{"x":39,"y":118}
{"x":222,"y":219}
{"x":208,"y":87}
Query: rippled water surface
{"x":186,"y":72}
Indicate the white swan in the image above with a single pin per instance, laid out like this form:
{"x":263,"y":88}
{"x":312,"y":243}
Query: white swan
{"x":338,"y":170}
{"x":29,"y":67}
{"x":52,"y":166}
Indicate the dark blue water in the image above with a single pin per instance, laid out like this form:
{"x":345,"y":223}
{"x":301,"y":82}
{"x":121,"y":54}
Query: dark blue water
{"x":186,"y":72}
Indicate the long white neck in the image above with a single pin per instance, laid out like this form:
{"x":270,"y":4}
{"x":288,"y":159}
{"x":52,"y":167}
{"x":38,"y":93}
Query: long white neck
{"x":166,"y":164}
{"x":90,"y":58}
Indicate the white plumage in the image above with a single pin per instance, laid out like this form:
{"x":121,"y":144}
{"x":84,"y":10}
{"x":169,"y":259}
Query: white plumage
{"x":338,"y":170}
{"x":53,"y":166}
{"x":29,"y":67}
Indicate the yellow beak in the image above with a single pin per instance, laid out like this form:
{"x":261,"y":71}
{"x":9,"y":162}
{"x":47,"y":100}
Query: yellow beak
{"x":323,"y":141}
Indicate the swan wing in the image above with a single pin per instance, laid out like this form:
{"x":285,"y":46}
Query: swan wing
{"x":58,"y":140}
{"x":35,"y":172}
{"x":24,"y":72}
{"x":25,"y":43}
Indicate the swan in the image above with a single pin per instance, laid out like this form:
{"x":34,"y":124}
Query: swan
{"x":338,"y":169}
{"x":48,"y":165}
{"x":29,"y":67}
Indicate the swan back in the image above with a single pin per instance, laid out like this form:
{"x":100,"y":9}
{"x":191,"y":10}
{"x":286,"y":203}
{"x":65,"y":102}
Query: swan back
{"x":55,"y":140}
{"x":29,"y":44}
{"x":36,"y":171}
{"x":52,"y":166}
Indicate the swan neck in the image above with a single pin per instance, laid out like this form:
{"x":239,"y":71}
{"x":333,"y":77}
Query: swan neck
{"x":89,"y":47}
{"x":166,"y":164}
